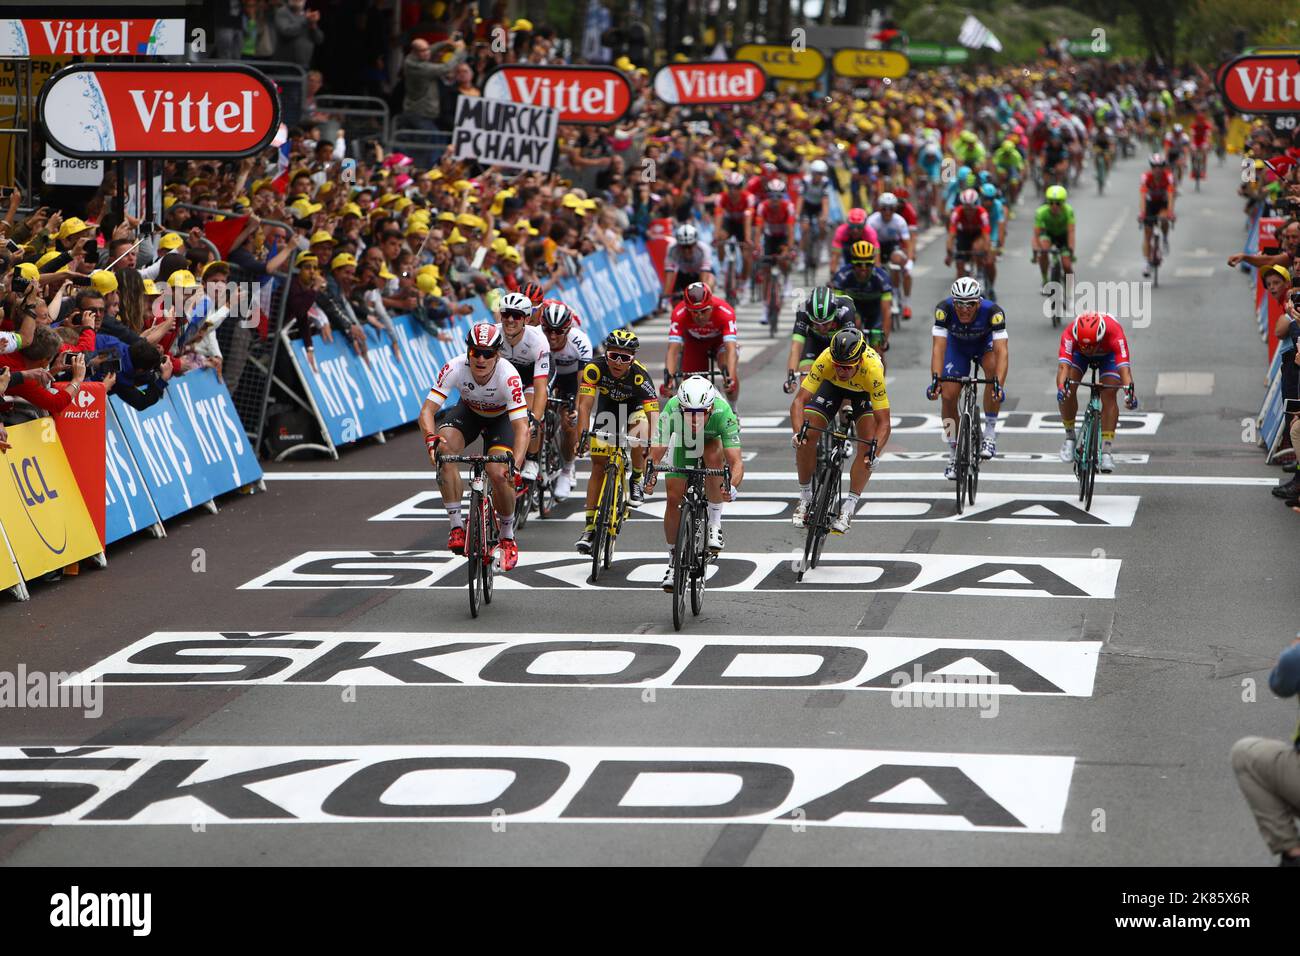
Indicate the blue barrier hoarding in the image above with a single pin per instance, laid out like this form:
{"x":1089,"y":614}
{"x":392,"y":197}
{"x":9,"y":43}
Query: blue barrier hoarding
{"x":223,"y":450}
{"x":128,"y":507}
{"x":165,"y":449}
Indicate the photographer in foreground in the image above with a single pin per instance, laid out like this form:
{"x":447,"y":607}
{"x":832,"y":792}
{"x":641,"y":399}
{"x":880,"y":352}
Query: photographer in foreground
{"x":1268,"y":771}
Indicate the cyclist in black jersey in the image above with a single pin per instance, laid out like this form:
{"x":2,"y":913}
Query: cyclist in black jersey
{"x":872,"y":293}
{"x":818,"y":318}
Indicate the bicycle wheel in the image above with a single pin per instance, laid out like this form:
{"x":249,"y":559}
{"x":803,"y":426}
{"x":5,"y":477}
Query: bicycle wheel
{"x":523,"y":504}
{"x":1057,"y":276}
{"x":604,"y":509}
{"x":616,"y":521}
{"x":963,"y":462}
{"x":699,"y":564}
{"x":773,"y":304}
{"x":973,"y":441}
{"x":1093,"y":460}
{"x":488,"y":567}
{"x":681,"y":564}
{"x":474,"y":551}
{"x":815,"y":523}
{"x":830,"y":506}
{"x":1082,"y":455}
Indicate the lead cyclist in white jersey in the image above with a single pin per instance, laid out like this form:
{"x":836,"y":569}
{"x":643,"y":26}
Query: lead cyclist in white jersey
{"x":895,"y":245}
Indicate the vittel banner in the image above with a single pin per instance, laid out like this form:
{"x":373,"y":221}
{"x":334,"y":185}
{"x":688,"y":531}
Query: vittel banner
{"x":146,"y":111}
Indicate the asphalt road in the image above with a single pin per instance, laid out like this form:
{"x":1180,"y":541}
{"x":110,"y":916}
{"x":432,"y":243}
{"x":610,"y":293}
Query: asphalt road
{"x":1115,"y":651}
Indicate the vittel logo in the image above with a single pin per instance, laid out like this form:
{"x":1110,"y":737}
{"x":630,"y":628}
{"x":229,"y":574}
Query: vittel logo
{"x":188,"y":115}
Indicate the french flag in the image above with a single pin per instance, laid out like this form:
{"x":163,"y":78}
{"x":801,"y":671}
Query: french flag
{"x":281,"y":182}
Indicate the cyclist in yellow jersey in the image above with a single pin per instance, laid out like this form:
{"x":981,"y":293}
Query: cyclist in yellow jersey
{"x":848,"y":369}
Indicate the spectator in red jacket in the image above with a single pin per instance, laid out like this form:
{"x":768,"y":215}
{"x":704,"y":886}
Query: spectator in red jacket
{"x":30,"y":369}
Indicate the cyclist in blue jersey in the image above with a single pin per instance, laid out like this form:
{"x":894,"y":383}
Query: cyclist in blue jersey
{"x":869,"y":287}
{"x":991,"y":200}
{"x":968,"y":328}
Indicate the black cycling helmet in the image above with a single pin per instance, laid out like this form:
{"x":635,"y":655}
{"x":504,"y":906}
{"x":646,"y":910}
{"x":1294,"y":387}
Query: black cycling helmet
{"x":848,"y":346}
{"x":820,"y":305}
{"x":622,"y":340}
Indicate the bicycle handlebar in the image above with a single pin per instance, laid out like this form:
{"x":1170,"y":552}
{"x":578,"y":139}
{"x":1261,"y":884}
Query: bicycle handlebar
{"x":1093,"y":385}
{"x":615,"y":439}
{"x":803,"y":431}
{"x":476,"y":459}
{"x":967,"y":380}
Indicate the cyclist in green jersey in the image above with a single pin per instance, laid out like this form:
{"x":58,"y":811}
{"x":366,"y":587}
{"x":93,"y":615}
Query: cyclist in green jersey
{"x":697,"y":425}
{"x":1009,"y":164}
{"x":1054,"y":226}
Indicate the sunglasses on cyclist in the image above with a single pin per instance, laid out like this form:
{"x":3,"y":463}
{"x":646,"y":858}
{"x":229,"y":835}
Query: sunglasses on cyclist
{"x":483,"y":353}
{"x":512,"y":314}
{"x":851,"y":367}
{"x":621,"y":357}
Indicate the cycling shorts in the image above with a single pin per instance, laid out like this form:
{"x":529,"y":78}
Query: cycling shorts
{"x":828,"y":398}
{"x":497,"y":431}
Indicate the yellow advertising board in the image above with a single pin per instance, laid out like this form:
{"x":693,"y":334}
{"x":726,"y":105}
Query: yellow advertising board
{"x":44,"y":518}
{"x":8,"y":573}
{"x":879,"y":64}
{"x":784,"y":62}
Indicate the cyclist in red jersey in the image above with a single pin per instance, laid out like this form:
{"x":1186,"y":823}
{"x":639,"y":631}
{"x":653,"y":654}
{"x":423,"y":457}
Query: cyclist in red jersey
{"x":1157,"y":191}
{"x":703,"y":326}
{"x":968,"y":232}
{"x":732,"y":215}
{"x":1094,"y":340}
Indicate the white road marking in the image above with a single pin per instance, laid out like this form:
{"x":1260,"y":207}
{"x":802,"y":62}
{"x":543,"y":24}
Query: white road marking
{"x":495,"y":659}
{"x":1109,"y":238}
{"x":485,"y":784}
{"x":1194,"y":272}
{"x":1185,"y":383}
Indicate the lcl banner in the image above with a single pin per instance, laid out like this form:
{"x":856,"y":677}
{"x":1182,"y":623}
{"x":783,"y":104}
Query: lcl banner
{"x":67,"y":37}
{"x":710,"y":83}
{"x":582,"y":94}
{"x":94,"y":110}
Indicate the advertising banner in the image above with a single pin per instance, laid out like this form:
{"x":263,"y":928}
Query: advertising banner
{"x":163,"y":444}
{"x":127,"y":505}
{"x":222,"y":450}
{"x":582,"y":94}
{"x":783,"y":61}
{"x":148,"y":111}
{"x":44,"y":518}
{"x":879,"y":64}
{"x":1261,"y":84}
{"x":64,"y":37}
{"x":82,"y":431}
{"x":711,"y":83}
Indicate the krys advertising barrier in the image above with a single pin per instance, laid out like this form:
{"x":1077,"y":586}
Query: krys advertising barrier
{"x":354,"y":399}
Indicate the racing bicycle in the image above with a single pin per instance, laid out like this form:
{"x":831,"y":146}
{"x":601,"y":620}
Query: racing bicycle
{"x":1087,"y":448}
{"x":691,"y":555}
{"x":613,"y":505}
{"x":813,"y":237}
{"x":771,"y":278}
{"x":1198,"y":167}
{"x":970,"y":434}
{"x":827,"y":482}
{"x":551,"y":454}
{"x":481,"y":530}
{"x":733,"y":267}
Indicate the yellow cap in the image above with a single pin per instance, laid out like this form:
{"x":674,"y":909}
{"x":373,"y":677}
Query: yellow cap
{"x":426,"y":282}
{"x":326,"y":187}
{"x":259,"y":185}
{"x":401,"y":203}
{"x":183,"y":279}
{"x":170,"y":241}
{"x":522,"y":25}
{"x":216,"y":265}
{"x":1284,"y":273}
{"x":461,"y":185}
{"x":351,"y":209}
{"x":624,"y":64}
{"x":103,"y":281}
{"x":320,"y":235}
{"x":150,"y":288}
{"x":168,"y":202}
{"x":341,"y":260}
{"x":72,"y":226}
{"x":455,"y":238}
{"x":512,"y":254}
{"x":435,"y":174}
{"x":417,"y":227}
{"x":306,"y":259}
{"x":52,"y":254}
{"x":28,"y":271}
{"x":304,"y":208}
{"x":385,"y":274}
{"x":446,"y":216}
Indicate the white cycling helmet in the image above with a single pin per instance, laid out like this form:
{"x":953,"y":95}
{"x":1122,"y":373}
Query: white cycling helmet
{"x":818,"y":167}
{"x":887,"y":199}
{"x":965,"y":289}
{"x":515,"y":302}
{"x":686,"y":234}
{"x":696,"y":394}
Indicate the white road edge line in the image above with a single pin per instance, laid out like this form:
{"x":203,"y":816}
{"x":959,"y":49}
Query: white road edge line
{"x":985,"y":476}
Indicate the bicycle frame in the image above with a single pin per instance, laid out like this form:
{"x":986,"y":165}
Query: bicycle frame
{"x":481,"y":529}
{"x":827,"y":481}
{"x":1087,"y":448}
{"x":691,"y":553}
{"x":970,"y":433}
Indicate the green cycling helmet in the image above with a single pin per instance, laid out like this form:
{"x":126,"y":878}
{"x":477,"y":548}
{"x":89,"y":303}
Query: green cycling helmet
{"x":1056,"y":194}
{"x":821,"y":305}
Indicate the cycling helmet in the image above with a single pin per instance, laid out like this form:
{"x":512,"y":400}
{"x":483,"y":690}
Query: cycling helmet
{"x":821,"y":305}
{"x":515,"y":302}
{"x":557,"y":317}
{"x":989,"y":191}
{"x":887,"y":200}
{"x":857,"y":217}
{"x":696,"y":394}
{"x":965,"y":289}
{"x":887,"y":145}
{"x":1178,"y":127}
{"x":697,"y":297}
{"x":686,"y":234}
{"x":1157,"y":160}
{"x":819,"y":167}
{"x":1089,"y":329}
{"x":534,"y":292}
{"x":735,"y":179}
{"x":962,"y":173}
{"x":967,"y":136}
{"x":969,"y":197}
{"x":1056,"y":194}
{"x":848,"y":346}
{"x":862,"y":251}
{"x":484,"y":335}
{"x":775,"y":186}
{"x":623,"y":340}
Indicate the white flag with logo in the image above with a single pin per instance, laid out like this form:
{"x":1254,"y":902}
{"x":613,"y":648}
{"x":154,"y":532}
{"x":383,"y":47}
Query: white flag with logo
{"x":976,"y":36}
